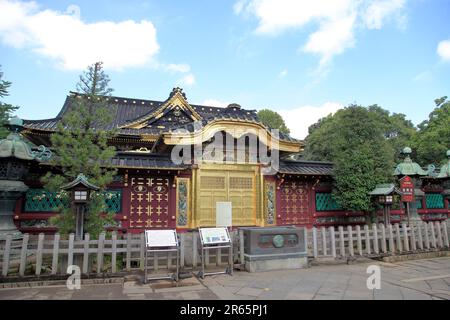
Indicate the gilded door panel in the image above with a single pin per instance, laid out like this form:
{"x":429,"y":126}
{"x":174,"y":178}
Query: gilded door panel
{"x":237,"y":187}
{"x":242,"y":196}
{"x":149,"y":202}
{"x":212,"y":189}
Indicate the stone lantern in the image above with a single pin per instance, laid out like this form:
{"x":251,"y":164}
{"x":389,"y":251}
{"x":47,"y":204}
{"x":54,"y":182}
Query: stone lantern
{"x":16,"y":156}
{"x":80,"y":190}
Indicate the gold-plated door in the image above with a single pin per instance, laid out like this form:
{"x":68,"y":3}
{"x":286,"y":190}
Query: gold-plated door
{"x":213,"y":188}
{"x":241,"y":193}
{"x":239,"y":187}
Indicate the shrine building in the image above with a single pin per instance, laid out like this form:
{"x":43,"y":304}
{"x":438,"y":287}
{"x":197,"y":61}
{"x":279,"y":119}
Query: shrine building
{"x":172,"y":170}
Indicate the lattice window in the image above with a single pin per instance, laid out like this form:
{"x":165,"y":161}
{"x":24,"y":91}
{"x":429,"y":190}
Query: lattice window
{"x":113,"y":200}
{"x":434,"y":201}
{"x":326,"y":202}
{"x":241,"y":183}
{"x":40,"y":200}
{"x":207,"y":182}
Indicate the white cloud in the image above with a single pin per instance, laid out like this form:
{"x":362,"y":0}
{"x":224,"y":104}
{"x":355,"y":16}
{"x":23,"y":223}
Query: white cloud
{"x":299,"y":119}
{"x":336,"y":20}
{"x":283,"y":73}
{"x":72,"y":43}
{"x":181,"y":68}
{"x":443,"y":50}
{"x":188,"y":80}
{"x":378,"y":11}
{"x":215,"y":103}
{"x":238,"y":6}
{"x":333,"y":38}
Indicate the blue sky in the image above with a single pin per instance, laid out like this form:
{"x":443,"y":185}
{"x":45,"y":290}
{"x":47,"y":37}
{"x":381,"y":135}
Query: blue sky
{"x":303,"y":59}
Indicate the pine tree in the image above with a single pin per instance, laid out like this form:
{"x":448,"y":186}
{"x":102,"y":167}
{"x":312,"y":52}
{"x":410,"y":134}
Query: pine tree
{"x":80,"y":145}
{"x":5,"y":109}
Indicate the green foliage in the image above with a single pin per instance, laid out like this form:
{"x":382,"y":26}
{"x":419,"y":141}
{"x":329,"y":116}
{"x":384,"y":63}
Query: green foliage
{"x":5,"y":108}
{"x":273,"y":120}
{"x":96,"y":219}
{"x":433,"y":139}
{"x":397,"y":129}
{"x":355,"y":141}
{"x":80,"y":145}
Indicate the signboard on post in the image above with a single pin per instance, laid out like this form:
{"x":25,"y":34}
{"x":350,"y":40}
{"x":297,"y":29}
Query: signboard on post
{"x":224,"y":215}
{"x":214,"y":236}
{"x":407,"y":189}
{"x":161,"y":238}
{"x":161,"y":241}
{"x":215,"y":239}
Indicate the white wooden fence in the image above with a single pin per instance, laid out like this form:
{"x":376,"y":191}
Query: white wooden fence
{"x":376,"y":240}
{"x":50,"y":255}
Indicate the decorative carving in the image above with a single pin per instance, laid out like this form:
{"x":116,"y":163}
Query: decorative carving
{"x":35,"y":223}
{"x":140,"y":189}
{"x":270,"y":202}
{"x":182,"y":201}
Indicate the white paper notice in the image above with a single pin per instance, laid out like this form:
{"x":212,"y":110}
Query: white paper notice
{"x":161,"y":238}
{"x":224,"y":216}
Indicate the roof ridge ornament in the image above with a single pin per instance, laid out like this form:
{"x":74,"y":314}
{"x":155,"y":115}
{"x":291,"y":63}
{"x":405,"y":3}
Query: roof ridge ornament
{"x":179,"y":91}
{"x":177,"y":98}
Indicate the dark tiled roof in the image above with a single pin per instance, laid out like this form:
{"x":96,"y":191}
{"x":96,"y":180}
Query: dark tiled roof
{"x":125,"y":110}
{"x":128,"y":110}
{"x":144,"y":161}
{"x":306,"y":167}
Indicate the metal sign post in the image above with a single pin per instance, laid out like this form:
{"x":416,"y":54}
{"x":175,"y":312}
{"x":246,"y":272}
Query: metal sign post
{"x":157,"y":241}
{"x":214,"y":239}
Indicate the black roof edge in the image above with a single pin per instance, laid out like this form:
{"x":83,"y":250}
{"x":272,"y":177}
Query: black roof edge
{"x":308,"y":161}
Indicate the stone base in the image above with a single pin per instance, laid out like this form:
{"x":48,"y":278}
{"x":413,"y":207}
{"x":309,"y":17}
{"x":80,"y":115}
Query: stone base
{"x":272,"y":263}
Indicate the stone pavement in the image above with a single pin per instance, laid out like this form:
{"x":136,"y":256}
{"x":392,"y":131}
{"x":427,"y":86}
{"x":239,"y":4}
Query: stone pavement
{"x":417,"y":279}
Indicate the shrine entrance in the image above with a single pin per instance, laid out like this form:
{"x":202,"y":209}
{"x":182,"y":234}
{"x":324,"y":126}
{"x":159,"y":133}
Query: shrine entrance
{"x":225,"y":184}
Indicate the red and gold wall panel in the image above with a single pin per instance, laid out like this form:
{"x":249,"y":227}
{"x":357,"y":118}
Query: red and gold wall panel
{"x":294,"y":203}
{"x":149,"y":202}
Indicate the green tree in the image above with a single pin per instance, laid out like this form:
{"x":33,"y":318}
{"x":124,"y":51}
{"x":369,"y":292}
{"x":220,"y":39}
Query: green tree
{"x":355,"y":142}
{"x":5,"y":108}
{"x":80,"y":145}
{"x":433,"y":138}
{"x":398,"y":130}
{"x":273,"y":120}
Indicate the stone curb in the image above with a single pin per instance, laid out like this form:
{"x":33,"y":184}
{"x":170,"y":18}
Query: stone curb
{"x":416,"y":256}
{"x":47,"y":283}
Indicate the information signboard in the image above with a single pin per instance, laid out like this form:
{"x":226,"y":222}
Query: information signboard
{"x":161,"y":238}
{"x":214,"y":235}
{"x":407,"y":189}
